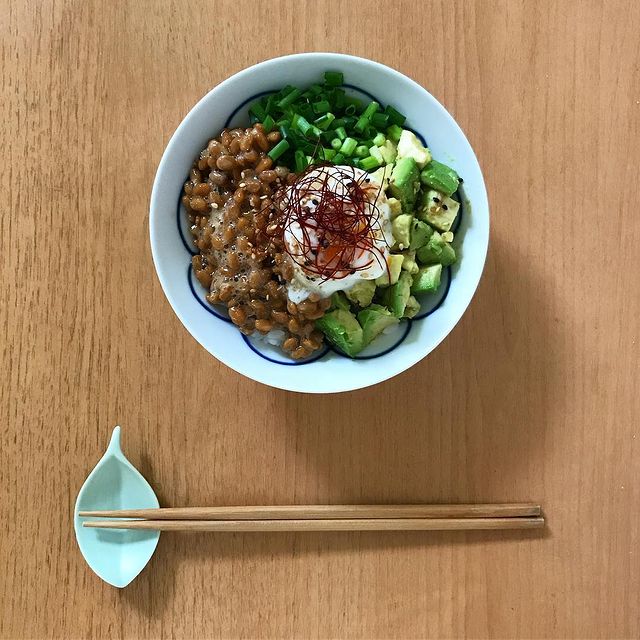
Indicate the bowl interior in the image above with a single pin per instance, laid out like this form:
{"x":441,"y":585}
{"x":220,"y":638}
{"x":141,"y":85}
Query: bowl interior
{"x":327,"y":371}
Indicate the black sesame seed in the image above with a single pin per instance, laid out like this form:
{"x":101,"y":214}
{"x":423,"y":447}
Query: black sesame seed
{"x":436,"y":200}
{"x":444,"y":206}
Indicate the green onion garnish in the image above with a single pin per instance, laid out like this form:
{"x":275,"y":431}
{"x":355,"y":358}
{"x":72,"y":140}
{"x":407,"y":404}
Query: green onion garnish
{"x":278,"y":150}
{"x":341,"y":133}
{"x":268,"y":124}
{"x":395,"y":117}
{"x":336,"y":143}
{"x":379,"y":140}
{"x":324,"y":121}
{"x":289,"y":98}
{"x":394,"y":132}
{"x":369,"y":163}
{"x":300,"y":160}
{"x":333,"y":78}
{"x":322,"y":106}
{"x":348,"y":146}
{"x":362,"y":151}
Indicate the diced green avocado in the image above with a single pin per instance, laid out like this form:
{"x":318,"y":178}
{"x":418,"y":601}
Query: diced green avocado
{"x":396,"y":296}
{"x":342,"y":328}
{"x":388,"y":151}
{"x":436,"y":251}
{"x":420,"y":234}
{"x":440,"y":177}
{"x":362,"y":292}
{"x":412,"y":308}
{"x":438,"y":210}
{"x":401,"y":229}
{"x":391,"y":275}
{"x":339,"y":301}
{"x":374,"y":320}
{"x":404,"y":183}
{"x":395,"y":207}
{"x":410,"y":147}
{"x":382,"y":175}
{"x":409,"y":262}
{"x":427,"y":280}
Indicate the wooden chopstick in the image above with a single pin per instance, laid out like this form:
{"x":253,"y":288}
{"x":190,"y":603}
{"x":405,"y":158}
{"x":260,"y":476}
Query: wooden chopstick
{"x":361,"y":524}
{"x":327,"y":512}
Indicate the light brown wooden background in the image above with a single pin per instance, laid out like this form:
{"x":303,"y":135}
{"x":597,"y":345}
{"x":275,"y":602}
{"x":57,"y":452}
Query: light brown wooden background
{"x":535,"y":395}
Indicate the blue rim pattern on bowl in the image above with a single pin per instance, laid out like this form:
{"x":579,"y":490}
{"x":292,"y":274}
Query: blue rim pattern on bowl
{"x":253,"y":344}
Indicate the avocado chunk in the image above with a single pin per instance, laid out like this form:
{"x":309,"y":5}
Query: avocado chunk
{"x":388,"y":151}
{"x":427,"y":280}
{"x":409,"y":262}
{"x":343,"y":330}
{"x":440,"y":177}
{"x":438,"y":210}
{"x":436,"y":251}
{"x":391,"y":275}
{"x":395,"y":207}
{"x":410,"y":147}
{"x":339,"y":301}
{"x":374,"y":320}
{"x":413,"y":307}
{"x":401,"y":229}
{"x":420,"y":234}
{"x":404,"y":183}
{"x":362,"y":292}
{"x":396,"y":296}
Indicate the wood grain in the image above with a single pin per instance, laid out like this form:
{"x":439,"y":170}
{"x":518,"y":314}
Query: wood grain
{"x":357,"y":524}
{"x":534,"y":396}
{"x":325,"y":511}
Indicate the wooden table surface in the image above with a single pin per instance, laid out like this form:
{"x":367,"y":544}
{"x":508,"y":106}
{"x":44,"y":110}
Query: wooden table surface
{"x":534,"y":396}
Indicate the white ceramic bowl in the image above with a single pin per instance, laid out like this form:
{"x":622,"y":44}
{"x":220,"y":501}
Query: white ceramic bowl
{"x":328,"y":372}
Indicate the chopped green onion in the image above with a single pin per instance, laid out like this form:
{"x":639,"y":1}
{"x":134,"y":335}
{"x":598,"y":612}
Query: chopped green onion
{"x":365,"y":118}
{"x":253,"y":118}
{"x":278,"y":150}
{"x":336,"y":143}
{"x":306,"y":111}
{"x":375,"y":152}
{"x":369,"y":163}
{"x":338,"y":158}
{"x":328,"y":136}
{"x":316,"y":89}
{"x":341,"y":133}
{"x":338,"y":122}
{"x":300,"y":123}
{"x":362,"y":151}
{"x":362,"y":124}
{"x":322,"y":106}
{"x":354,"y":102}
{"x":258,"y":111}
{"x":300,"y":161}
{"x":379,"y":140}
{"x":350,"y":109}
{"x":394,"y":132}
{"x":372,"y":107}
{"x":338,"y":99}
{"x":348,"y":146}
{"x":289,"y":98}
{"x":379,"y":120}
{"x":269,"y":104}
{"x":395,"y":117}
{"x":328,"y":154}
{"x":284,"y":129}
{"x":333,"y":78}
{"x":324,"y":121}
{"x":268,"y":124}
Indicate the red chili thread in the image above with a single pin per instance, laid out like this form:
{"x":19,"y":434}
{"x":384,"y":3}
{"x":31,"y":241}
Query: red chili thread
{"x":343,"y":220}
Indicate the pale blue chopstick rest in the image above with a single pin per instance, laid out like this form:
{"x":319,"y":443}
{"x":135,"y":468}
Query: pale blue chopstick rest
{"x":116,"y":556}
